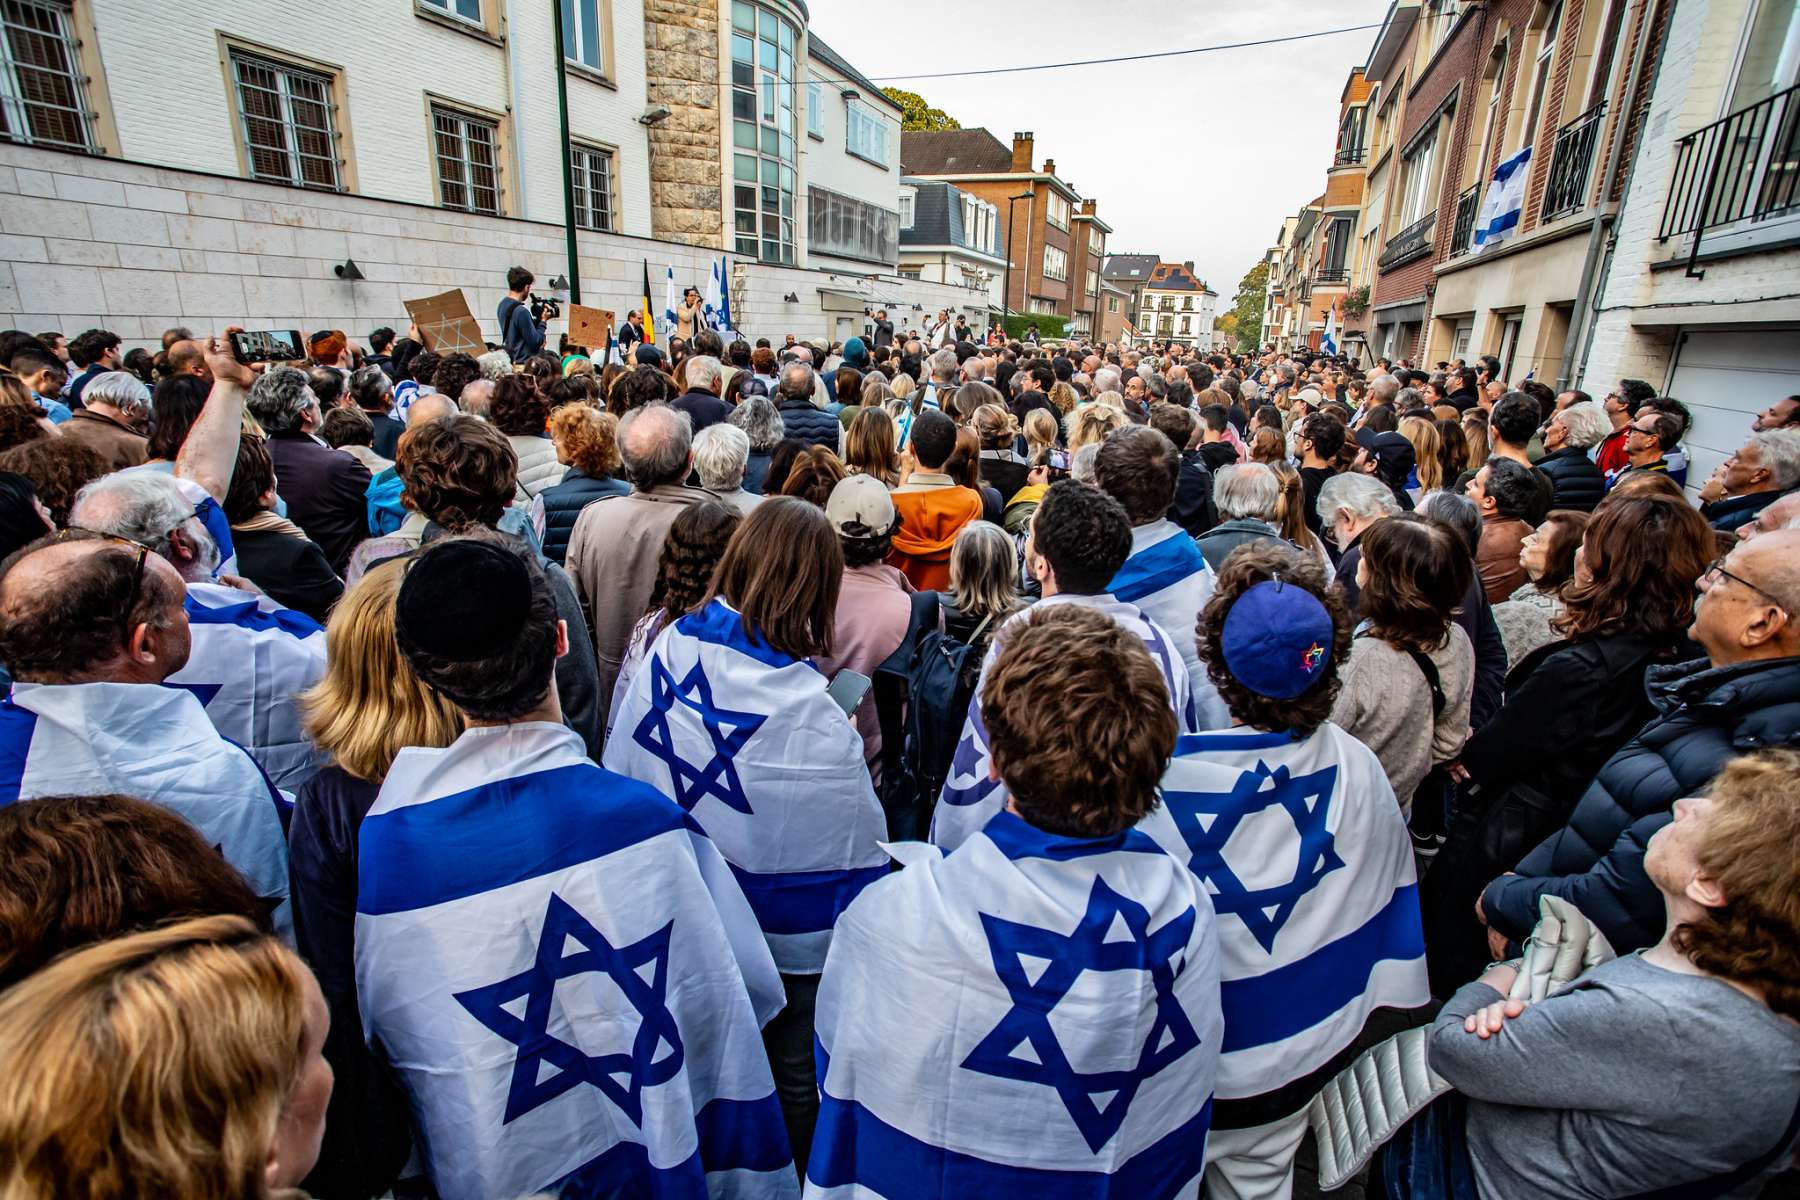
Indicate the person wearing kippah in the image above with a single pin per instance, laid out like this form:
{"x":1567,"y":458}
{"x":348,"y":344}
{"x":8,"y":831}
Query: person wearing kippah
{"x":1292,"y":826}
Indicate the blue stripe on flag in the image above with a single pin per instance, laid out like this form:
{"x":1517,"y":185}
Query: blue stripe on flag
{"x":504,"y":832}
{"x":1198,"y":743}
{"x":717,"y":625}
{"x":16,"y":727}
{"x":853,"y":1146}
{"x":1157,"y":567}
{"x":802,"y":901}
{"x":1293,"y":998}
{"x":744,"y":1135}
{"x":1018,"y":838}
{"x":248,"y":615}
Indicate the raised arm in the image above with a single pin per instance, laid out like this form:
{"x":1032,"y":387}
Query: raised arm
{"x":209,"y":454}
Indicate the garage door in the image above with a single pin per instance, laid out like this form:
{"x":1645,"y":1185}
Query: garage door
{"x":1726,"y":378}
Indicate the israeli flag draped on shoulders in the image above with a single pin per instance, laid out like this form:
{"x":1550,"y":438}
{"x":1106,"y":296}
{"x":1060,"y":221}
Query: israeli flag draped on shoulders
{"x":1031,"y":1015}
{"x":747,"y":740}
{"x":970,"y":798}
{"x":1306,"y":856}
{"x":566,"y":978}
{"x":1504,"y":203}
{"x":251,"y":659}
{"x":154,"y":743}
{"x":1170,"y":580}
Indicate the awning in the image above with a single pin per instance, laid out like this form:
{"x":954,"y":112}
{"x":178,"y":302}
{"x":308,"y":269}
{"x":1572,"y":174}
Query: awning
{"x":832,"y":300}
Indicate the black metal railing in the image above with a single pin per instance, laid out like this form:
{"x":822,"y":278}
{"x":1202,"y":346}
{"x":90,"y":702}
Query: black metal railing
{"x":1347,"y":155}
{"x":1462,"y":234}
{"x":1409,"y":243}
{"x":1332,"y":275}
{"x":1571,"y":164}
{"x":1744,"y":167}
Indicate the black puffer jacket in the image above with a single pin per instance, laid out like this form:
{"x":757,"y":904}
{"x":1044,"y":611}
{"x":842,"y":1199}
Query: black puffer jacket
{"x":564,"y":501}
{"x":804,"y":423}
{"x":1706,"y":716}
{"x":1579,"y":483}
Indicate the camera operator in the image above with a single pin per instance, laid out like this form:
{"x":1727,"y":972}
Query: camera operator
{"x":521,"y":331}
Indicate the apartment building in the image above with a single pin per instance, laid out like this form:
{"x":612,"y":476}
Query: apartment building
{"x":948,"y":235}
{"x":1177,"y":306}
{"x":1088,"y":257}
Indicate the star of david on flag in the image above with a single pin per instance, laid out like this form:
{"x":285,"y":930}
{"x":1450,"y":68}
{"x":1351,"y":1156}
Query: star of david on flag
{"x":719,"y":776}
{"x":1039,"y":966}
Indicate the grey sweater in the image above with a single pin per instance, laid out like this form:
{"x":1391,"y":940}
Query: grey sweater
{"x":1634,"y":1079}
{"x":1385,"y":703}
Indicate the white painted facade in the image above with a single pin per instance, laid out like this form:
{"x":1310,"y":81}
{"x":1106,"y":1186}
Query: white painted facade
{"x":866,"y":170}
{"x":1178,"y":314}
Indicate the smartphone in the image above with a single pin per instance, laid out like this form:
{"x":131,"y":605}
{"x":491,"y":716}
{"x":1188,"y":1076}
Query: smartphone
{"x":1059,"y":460}
{"x":848,"y":689}
{"x":268,"y":345}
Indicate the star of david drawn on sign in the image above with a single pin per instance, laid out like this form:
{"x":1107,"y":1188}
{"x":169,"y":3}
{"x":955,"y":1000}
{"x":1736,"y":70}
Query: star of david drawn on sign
{"x":1039,"y":966}
{"x":1207,"y":820}
{"x":719,"y":776}
{"x":545,"y":1066}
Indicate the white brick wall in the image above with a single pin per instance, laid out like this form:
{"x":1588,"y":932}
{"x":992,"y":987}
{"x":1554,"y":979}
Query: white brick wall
{"x":266,"y":261}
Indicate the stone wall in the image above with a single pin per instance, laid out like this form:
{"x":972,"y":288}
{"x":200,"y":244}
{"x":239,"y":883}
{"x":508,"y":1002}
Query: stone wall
{"x":681,"y":62}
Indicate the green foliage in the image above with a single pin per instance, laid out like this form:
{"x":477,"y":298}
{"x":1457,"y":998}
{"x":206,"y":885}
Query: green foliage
{"x":1247,"y":306}
{"x":1050,"y":326}
{"x":1357,"y":302}
{"x":917,"y":115}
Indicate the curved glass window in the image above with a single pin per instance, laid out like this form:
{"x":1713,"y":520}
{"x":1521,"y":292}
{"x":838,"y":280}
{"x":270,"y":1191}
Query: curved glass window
{"x":762,"y":131}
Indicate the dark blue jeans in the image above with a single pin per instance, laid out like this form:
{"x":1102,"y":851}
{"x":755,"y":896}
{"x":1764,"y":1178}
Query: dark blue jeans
{"x":1429,"y":1158}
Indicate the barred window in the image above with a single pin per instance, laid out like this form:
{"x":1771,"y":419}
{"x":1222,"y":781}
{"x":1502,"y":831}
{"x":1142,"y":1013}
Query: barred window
{"x":593,"y":174}
{"x":288,"y":123}
{"x":468,"y":163}
{"x":43,"y":99}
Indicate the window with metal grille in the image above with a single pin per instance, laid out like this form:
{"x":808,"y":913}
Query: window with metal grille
{"x":288,"y":123}
{"x":43,"y":97}
{"x":468,"y":161}
{"x":593,"y":174}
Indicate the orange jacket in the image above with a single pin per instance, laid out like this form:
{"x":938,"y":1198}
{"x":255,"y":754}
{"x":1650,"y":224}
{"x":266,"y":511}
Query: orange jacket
{"x":930,"y":519}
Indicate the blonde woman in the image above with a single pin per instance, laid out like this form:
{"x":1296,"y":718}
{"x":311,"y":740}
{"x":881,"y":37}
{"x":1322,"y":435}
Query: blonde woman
{"x":1091,"y":423}
{"x":1002,"y":467}
{"x":1064,"y":396}
{"x":368,"y":707}
{"x":1040,"y":433}
{"x":903,"y":386}
{"x":1427,"y":451}
{"x":1475,"y":434}
{"x":871,"y":447}
{"x":183,"y":1061}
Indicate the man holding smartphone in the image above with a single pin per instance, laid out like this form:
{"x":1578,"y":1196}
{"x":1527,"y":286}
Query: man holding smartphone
{"x":884,"y":328}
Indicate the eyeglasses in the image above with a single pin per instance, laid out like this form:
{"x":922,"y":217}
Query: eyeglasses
{"x":1716,"y":571}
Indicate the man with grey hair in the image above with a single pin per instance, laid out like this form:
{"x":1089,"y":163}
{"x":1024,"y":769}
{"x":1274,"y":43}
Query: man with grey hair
{"x":804,"y":420}
{"x":326,"y":492}
{"x":940,"y":376}
{"x":495,"y":365}
{"x":434,"y":405}
{"x":701,"y":403}
{"x":1575,"y":482}
{"x":111,"y":423}
{"x":1384,"y":390}
{"x":1348,"y":504}
{"x":614,"y":547}
{"x":477,"y":399}
{"x":1246,"y":496}
{"x":1764,"y":469}
{"x":1782,"y":514}
{"x":1106,"y":379}
{"x":250,"y":657}
{"x":721,"y":453}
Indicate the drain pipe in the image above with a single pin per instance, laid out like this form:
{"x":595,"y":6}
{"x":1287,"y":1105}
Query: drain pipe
{"x":1583,"y":307}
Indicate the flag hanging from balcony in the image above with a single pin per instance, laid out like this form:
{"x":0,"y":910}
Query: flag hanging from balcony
{"x":1328,"y":341}
{"x":1504,"y":203}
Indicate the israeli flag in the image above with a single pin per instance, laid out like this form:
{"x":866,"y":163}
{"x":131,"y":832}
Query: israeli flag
{"x":748,"y":742}
{"x":671,"y":302}
{"x":1032,"y":1015}
{"x":1504,"y":202}
{"x":1169,"y":579}
{"x":1306,"y":856}
{"x":715,"y":303}
{"x":1328,"y":341}
{"x":155,"y":743}
{"x":250,"y":661}
{"x":970,"y":798}
{"x":565,"y":977}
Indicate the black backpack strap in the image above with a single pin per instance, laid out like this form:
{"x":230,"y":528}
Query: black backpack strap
{"x":1429,"y":669}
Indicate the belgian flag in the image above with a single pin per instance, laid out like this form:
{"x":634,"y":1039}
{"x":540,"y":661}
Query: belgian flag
{"x":644,"y":312}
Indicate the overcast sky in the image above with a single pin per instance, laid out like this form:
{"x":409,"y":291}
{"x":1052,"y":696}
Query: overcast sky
{"x":1197,"y":157}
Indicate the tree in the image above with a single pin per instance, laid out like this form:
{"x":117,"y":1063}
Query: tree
{"x":917,"y":115}
{"x":1228,"y":325}
{"x":1247,"y":306}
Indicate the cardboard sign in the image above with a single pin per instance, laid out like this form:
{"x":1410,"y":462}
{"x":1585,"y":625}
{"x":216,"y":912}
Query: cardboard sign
{"x":590,"y":328}
{"x":446,"y":325}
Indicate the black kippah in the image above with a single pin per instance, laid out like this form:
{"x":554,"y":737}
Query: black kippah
{"x":464,"y":600}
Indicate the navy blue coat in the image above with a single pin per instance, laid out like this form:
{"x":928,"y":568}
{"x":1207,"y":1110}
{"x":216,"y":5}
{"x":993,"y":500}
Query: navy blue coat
{"x":564,"y":501}
{"x":1727,"y":514}
{"x":1705,"y":716}
{"x":804,"y":423}
{"x":1578,"y":482}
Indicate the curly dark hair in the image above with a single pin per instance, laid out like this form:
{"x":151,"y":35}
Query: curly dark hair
{"x":423,"y":365}
{"x":1084,"y":534}
{"x":19,"y":425}
{"x":519,"y":408}
{"x":250,"y":479}
{"x":454,"y":373}
{"x":459,"y":471}
{"x":690,"y":553}
{"x":1243,"y":569}
{"x":1418,"y":573}
{"x":58,"y":468}
{"x":175,"y":407}
{"x":638,"y":387}
{"x":1640,"y":557}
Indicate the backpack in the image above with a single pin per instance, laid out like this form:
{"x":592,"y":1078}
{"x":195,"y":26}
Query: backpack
{"x":922,"y":695}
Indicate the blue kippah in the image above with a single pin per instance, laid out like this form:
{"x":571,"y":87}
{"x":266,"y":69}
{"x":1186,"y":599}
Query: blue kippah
{"x":1277,"y":639}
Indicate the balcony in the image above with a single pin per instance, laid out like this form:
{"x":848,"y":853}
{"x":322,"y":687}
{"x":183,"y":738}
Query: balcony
{"x":1330,"y":275}
{"x":1571,"y":163}
{"x":1744,"y":168}
{"x":1350,"y":155}
{"x":1466,"y":206}
{"x":1412,"y":242}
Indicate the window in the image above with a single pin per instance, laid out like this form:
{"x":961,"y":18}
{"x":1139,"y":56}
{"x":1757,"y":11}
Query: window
{"x":815,"y":109}
{"x":867,"y":133}
{"x":1187,"y":304}
{"x":467,"y":10}
{"x":1038,"y":305}
{"x":1058,"y":211}
{"x":1350,"y":136}
{"x":1496,"y":84}
{"x":906,"y":211}
{"x":1337,"y":250}
{"x":1056,"y":263}
{"x":909,"y":272}
{"x":1459,"y":340}
{"x":584,"y":33}
{"x":1768,"y":55}
{"x":592,"y":170}
{"x":43,"y":100}
{"x":1416,"y":199}
{"x":1093,"y":282}
{"x":285,"y":116}
{"x":1187,"y":325}
{"x":468,"y":161}
{"x":1540,"y":77}
{"x":762,"y":130}
{"x":850,"y":228}
{"x":1112,"y":304}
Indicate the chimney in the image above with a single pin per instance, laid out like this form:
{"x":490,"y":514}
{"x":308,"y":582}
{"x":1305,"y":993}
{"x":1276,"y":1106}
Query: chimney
{"x":1189,"y":264}
{"x":1087,"y":207}
{"x":1049,"y":166}
{"x":1021,"y":159}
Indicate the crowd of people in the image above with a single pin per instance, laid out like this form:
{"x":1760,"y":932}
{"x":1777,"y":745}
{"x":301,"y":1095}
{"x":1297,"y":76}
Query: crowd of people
{"x":921,"y":766}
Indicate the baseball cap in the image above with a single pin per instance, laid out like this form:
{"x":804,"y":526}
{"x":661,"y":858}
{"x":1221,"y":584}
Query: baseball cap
{"x":1311,"y":395}
{"x":648,"y":355}
{"x":1277,"y":639}
{"x":860,"y":507}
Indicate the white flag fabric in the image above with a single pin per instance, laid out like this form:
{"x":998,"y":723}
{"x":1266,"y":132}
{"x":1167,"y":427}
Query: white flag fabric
{"x":671,"y":301}
{"x":747,"y":740}
{"x":970,"y":798}
{"x":1169,"y":579}
{"x":565,"y":977}
{"x":1328,"y":341}
{"x":250,"y":661}
{"x":1306,"y":856}
{"x":1031,"y":1015}
{"x":154,"y":743}
{"x":1504,"y":202}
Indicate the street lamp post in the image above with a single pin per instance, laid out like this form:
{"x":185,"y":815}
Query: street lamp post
{"x":572,"y":246}
{"x":1006,"y":288}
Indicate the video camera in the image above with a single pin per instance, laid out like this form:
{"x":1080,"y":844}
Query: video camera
{"x":544,"y":308}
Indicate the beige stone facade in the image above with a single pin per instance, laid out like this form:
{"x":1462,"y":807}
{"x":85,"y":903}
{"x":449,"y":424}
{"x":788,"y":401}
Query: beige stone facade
{"x":681,"y":70}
